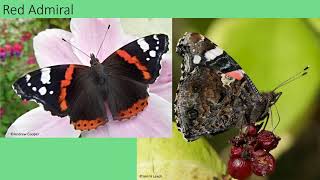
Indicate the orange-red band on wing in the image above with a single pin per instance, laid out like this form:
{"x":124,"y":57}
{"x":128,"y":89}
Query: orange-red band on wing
{"x":88,"y":124}
{"x":63,"y":87}
{"x":134,"y":60}
{"x":134,"y":109}
{"x":237,"y":74}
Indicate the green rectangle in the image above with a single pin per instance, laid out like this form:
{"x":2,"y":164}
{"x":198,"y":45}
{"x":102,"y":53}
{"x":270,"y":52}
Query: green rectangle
{"x":172,"y":9}
{"x":81,"y":159}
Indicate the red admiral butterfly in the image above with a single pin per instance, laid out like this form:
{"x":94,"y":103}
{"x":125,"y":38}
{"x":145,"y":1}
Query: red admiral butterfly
{"x":120,"y":82}
{"x":214,"y":94}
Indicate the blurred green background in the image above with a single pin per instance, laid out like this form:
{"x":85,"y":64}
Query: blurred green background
{"x":270,"y":51}
{"x":17,"y":58}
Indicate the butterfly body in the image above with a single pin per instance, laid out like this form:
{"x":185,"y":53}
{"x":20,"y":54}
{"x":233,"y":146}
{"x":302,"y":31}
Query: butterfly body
{"x":214,"y":94}
{"x":84,"y":93}
{"x":98,"y":70}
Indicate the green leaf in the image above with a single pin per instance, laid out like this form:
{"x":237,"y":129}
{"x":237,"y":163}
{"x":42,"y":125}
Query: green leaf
{"x":173,"y":158}
{"x":315,"y":24}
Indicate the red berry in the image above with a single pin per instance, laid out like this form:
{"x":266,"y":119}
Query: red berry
{"x":258,"y":153}
{"x":267,"y":140}
{"x":236,"y":151}
{"x":239,"y":168}
{"x":263,"y":164}
{"x":250,"y":130}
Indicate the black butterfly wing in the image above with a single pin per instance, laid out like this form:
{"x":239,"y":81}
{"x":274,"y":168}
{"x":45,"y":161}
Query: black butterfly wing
{"x":44,"y":86}
{"x":140,"y":59}
{"x":130,"y":69}
{"x":63,"y":91}
{"x":126,"y":98}
{"x":214,"y":94}
{"x":87,"y":101}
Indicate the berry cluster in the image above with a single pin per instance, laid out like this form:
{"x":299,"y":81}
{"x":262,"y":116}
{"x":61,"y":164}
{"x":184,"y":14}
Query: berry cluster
{"x":250,"y":153}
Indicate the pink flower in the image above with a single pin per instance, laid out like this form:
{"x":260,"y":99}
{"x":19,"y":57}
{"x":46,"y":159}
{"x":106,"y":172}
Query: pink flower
{"x":86,"y":34}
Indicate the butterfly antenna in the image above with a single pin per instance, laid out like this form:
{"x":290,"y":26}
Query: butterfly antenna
{"x":105,"y":35}
{"x":278,"y":117}
{"x":293,"y":78}
{"x":75,"y":47}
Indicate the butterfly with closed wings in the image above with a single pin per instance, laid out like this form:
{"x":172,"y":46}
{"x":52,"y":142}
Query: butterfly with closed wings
{"x":214,"y":94}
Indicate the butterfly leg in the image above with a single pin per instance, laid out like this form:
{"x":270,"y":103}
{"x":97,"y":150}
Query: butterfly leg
{"x":265,"y":124}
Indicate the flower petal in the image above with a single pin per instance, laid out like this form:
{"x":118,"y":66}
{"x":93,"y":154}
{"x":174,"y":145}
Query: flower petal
{"x":154,"y":121}
{"x":89,"y":33}
{"x":163,"y":85}
{"x":40,"y":123}
{"x":51,"y":50}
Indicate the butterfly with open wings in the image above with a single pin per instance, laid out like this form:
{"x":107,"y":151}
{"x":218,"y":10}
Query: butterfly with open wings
{"x":81,"y":92}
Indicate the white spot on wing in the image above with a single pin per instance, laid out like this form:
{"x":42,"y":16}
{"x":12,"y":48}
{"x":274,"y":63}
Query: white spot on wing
{"x":157,"y":47}
{"x":196,"y":59}
{"x":155,"y":37}
{"x":34,"y":88}
{"x":42,"y":90}
{"x":213,"y":53}
{"x":29,"y":84}
{"x":28,"y":77}
{"x":143,"y":44}
{"x":51,"y":92}
{"x":152,"y":53}
{"x":148,"y":59}
{"x":34,"y":101}
{"x":14,"y":89}
{"x":45,"y":75}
